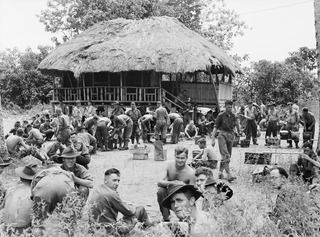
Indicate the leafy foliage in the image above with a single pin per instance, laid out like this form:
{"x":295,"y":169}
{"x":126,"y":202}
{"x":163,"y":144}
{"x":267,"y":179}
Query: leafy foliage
{"x":220,"y":24}
{"x":280,"y":81}
{"x":20,"y":81}
{"x":210,"y":18}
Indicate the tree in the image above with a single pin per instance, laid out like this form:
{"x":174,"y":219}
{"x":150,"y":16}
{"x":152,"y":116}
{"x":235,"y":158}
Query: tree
{"x":211,"y":18}
{"x":303,"y":59}
{"x":220,"y":24}
{"x":317,"y":28}
{"x":20,"y":81}
{"x":280,"y":81}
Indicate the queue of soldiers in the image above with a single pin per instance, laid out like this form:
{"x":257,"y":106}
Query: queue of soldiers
{"x":185,"y":191}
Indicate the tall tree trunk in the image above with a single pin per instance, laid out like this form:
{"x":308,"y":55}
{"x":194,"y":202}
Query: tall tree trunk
{"x":317,"y":28}
{"x":3,"y":147}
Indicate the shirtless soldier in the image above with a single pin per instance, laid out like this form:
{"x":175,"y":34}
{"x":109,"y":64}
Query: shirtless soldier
{"x":177,"y":172}
{"x":161,"y":116}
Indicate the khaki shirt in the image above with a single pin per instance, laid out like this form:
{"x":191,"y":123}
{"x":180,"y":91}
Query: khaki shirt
{"x":161,"y":114}
{"x":105,"y":204}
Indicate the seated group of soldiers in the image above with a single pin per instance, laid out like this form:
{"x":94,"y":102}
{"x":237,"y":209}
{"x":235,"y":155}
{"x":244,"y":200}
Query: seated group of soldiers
{"x":187,"y":192}
{"x":50,"y":184}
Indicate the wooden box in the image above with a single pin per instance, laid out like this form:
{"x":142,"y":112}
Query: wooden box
{"x":140,"y":152}
{"x":140,"y":156}
{"x":253,"y":158}
{"x":245,"y":143}
{"x":273,"y":141}
{"x":284,"y":134}
{"x":211,"y":164}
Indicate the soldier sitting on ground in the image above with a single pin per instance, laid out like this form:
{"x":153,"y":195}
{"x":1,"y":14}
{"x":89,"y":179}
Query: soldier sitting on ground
{"x":16,"y":145}
{"x":35,"y":137}
{"x":17,"y":211}
{"x":215,"y":194}
{"x":83,"y":179}
{"x":13,"y":131}
{"x":303,"y":167}
{"x":177,"y":172}
{"x":105,"y":204}
{"x":191,"y":130}
{"x":89,"y":141}
{"x":206,"y":157}
{"x":46,"y":130}
{"x":181,"y":199}
{"x":83,"y":157}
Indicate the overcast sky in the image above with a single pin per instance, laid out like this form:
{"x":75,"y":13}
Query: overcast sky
{"x":277,"y":27}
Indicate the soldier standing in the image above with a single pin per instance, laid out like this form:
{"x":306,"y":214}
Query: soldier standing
{"x":134,"y":114}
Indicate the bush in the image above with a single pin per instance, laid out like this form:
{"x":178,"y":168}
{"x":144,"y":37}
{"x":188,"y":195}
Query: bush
{"x":245,"y":214}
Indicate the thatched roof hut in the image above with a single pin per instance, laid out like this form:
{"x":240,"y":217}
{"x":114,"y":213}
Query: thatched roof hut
{"x":161,"y":44}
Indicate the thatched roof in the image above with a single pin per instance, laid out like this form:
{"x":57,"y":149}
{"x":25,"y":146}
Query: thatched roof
{"x":162,"y":44}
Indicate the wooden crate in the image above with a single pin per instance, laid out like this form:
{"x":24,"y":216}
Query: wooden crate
{"x":245,"y":143}
{"x":140,"y":152}
{"x":253,"y":158}
{"x":211,"y":164}
{"x":273,"y":141}
{"x":284,"y":135}
{"x":140,"y":156}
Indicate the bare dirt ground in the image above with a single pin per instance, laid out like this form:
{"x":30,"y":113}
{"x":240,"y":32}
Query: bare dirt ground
{"x":139,"y":177}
